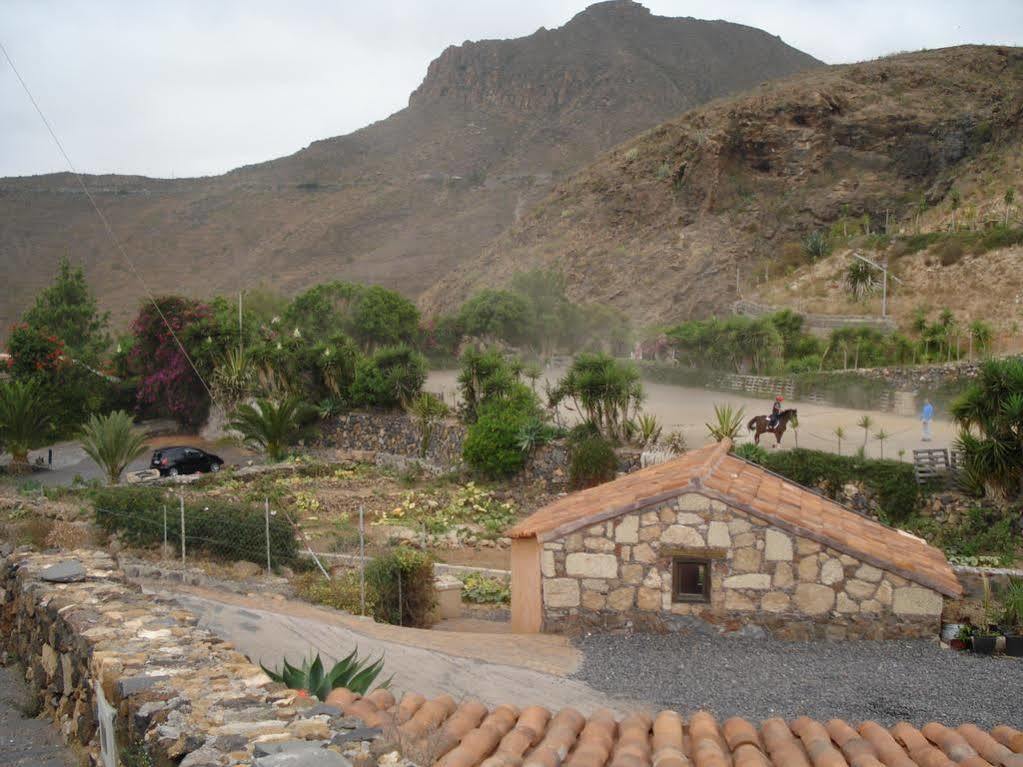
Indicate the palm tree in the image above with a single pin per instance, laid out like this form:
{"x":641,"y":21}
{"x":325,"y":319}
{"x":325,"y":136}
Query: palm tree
{"x":727,"y":422}
{"x":112,"y":442}
{"x":428,"y":409}
{"x":273,"y":426}
{"x":990,"y":418}
{"x":865,"y":423}
{"x":24,"y":420}
{"x":1010,"y":195}
{"x":839,"y":433}
{"x":881,"y":435}
{"x":980,"y":335}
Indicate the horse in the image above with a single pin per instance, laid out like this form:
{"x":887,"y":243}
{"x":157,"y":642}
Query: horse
{"x":760,"y":425}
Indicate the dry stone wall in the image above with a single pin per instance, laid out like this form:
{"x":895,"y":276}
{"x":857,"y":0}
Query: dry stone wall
{"x":763,"y":580}
{"x":117,"y":668}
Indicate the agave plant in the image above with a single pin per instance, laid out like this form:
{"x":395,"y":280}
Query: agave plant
{"x":727,"y":422}
{"x":312,"y":677}
{"x":648,"y":429}
{"x":112,"y":442}
{"x":273,"y":426}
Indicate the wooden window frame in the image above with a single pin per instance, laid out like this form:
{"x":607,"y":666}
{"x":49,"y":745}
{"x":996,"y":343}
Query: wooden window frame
{"x":676,"y":596}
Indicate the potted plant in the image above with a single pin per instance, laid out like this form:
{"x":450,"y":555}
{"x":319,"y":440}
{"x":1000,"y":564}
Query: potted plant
{"x":963,"y":637}
{"x":986,"y":637}
{"x":1012,"y":615}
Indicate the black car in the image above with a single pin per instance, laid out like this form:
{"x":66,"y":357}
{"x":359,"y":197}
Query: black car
{"x":172,"y":461}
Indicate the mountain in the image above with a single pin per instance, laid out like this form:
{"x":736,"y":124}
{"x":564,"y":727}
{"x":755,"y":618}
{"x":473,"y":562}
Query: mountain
{"x":404,"y":201}
{"x":682,"y":220}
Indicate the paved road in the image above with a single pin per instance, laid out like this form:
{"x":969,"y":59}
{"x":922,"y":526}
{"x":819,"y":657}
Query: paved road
{"x":27,"y":742}
{"x":468,"y":666}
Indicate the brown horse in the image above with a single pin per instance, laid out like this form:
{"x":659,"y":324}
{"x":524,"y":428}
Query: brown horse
{"x":760,"y":425}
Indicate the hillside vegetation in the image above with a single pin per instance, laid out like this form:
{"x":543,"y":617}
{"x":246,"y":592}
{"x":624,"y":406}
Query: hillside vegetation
{"x":680,"y":221}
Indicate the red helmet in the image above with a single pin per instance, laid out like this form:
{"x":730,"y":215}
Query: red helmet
{"x":779,"y":398}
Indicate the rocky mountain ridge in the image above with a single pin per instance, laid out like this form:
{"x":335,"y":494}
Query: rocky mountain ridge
{"x":404,"y":201}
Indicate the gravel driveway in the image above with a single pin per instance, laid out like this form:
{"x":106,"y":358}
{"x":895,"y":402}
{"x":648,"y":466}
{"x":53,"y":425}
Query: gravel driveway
{"x":915,"y":681}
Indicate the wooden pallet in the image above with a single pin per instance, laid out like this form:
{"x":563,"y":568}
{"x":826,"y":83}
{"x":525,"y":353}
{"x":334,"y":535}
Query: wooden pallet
{"x":932,"y":465}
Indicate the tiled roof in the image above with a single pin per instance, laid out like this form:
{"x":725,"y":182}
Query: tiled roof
{"x":467,"y":734}
{"x":713,"y":472}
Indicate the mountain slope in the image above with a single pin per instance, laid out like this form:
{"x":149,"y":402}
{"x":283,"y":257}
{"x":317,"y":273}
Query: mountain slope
{"x":405,"y":200}
{"x":667,"y":225}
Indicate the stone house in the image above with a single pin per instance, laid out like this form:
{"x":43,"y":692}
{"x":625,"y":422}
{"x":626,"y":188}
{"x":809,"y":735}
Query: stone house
{"x":708,"y":538}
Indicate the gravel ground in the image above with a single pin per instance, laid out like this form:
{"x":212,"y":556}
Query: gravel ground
{"x":916,"y":681}
{"x":26,"y":742}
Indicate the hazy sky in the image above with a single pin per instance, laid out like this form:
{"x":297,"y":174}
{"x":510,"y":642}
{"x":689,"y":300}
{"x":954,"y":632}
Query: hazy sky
{"x":196,"y":87}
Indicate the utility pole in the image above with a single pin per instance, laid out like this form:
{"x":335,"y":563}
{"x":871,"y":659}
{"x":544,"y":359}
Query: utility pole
{"x":240,"y":332}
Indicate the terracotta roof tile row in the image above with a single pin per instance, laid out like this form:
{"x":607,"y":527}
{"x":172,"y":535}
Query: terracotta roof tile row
{"x":713,"y":472}
{"x":468,"y":734}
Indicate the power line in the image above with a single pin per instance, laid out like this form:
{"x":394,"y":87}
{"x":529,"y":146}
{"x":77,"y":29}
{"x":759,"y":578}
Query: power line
{"x":103,"y":218}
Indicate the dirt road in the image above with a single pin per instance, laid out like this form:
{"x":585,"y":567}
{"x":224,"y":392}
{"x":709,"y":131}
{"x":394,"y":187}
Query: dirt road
{"x":689,"y":409}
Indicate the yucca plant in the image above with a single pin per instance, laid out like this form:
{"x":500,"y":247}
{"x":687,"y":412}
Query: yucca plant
{"x":24,"y":420}
{"x":881,"y":435}
{"x":648,"y":429}
{"x":312,"y":677}
{"x":865,"y":423}
{"x":839,"y":433}
{"x":112,"y":442}
{"x":727,"y":422}
{"x":273,"y":426}
{"x":234,"y":378}
{"x":428,"y":410}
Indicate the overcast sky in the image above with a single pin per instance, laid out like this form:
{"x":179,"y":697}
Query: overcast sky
{"x":197,"y":87}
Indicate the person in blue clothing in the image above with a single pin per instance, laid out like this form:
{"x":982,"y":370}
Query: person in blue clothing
{"x":926,"y":416}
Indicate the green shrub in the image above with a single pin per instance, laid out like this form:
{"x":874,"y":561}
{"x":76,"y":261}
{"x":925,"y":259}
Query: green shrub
{"x":982,"y":532}
{"x":391,"y":376}
{"x":893,"y":481}
{"x":950,"y":252}
{"x":493,"y":444}
{"x":592,"y":461}
{"x":403,"y":582}
{"x":350,"y":672}
{"x":752,"y":452}
{"x":483,"y":590}
{"x":229,"y":530}
{"x":341,"y":592}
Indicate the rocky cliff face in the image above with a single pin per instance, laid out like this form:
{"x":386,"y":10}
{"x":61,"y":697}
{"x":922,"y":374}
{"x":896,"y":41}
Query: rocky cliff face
{"x":406,"y":200}
{"x":665,"y":226}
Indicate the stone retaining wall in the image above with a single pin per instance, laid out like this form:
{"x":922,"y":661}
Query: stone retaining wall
{"x":96,"y":643}
{"x":763,"y":580}
{"x":394,"y":440}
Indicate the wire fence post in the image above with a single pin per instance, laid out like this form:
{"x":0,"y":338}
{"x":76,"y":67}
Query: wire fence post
{"x":266,"y":506}
{"x":182,"y":499}
{"x":362,"y":562}
{"x":401,"y":617}
{"x":164,"y":551}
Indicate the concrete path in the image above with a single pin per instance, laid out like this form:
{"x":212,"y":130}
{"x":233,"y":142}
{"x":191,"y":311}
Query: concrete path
{"x":27,"y":742}
{"x":493,"y":668}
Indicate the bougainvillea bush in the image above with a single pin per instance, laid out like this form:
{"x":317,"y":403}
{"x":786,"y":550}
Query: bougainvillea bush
{"x":168,"y":383}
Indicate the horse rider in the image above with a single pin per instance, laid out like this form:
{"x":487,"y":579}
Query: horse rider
{"x":772,"y":420}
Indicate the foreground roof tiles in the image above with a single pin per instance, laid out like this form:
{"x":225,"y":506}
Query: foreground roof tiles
{"x":467,"y":734}
{"x":714,"y":472}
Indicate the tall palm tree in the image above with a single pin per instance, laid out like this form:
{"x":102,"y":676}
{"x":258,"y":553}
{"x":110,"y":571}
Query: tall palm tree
{"x":273,"y":426}
{"x":112,"y":442}
{"x":24,"y":420}
{"x":980,"y":337}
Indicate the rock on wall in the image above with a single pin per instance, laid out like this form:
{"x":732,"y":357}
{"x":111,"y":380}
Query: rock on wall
{"x":619,"y":572}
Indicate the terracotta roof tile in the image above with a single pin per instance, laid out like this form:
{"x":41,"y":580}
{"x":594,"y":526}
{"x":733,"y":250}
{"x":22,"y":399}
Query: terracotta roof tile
{"x":714,"y":472}
{"x":470,"y":735}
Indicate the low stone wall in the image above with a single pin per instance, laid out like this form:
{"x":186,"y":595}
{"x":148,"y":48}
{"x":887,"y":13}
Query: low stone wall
{"x":119,"y":669}
{"x":393,"y":440}
{"x":970,"y":604}
{"x":618,"y":574}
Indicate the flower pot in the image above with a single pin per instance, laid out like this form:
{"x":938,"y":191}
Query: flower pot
{"x":1014,"y":645}
{"x":984,"y":645}
{"x":957,"y":644}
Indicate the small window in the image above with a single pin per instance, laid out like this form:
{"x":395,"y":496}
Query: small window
{"x":690,"y":580}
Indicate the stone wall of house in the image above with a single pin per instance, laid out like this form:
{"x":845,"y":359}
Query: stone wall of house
{"x":394,"y":440}
{"x":92,"y":643}
{"x":763,"y":580}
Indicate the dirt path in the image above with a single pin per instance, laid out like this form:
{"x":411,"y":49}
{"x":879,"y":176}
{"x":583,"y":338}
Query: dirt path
{"x":688,"y":409}
{"x":27,"y":742}
{"x":494,"y":668}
